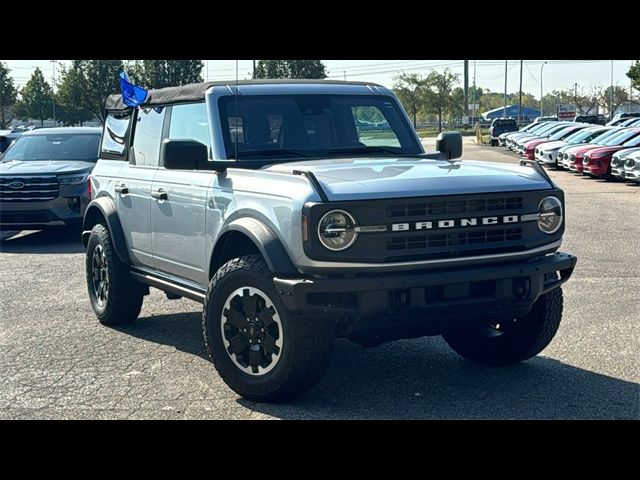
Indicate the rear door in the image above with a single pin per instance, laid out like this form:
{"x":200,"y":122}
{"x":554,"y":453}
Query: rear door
{"x":178,"y":212}
{"x":133,"y":190}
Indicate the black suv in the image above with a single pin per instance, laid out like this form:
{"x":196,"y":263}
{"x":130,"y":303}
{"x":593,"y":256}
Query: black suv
{"x":596,"y":119}
{"x":500,"y":126}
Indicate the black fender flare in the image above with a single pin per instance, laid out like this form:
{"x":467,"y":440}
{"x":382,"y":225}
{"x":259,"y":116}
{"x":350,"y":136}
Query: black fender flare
{"x":268,"y":244}
{"x":106,"y":208}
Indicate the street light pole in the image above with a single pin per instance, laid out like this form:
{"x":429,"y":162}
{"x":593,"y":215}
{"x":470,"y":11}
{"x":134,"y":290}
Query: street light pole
{"x":541,"y":67}
{"x":53,"y":98}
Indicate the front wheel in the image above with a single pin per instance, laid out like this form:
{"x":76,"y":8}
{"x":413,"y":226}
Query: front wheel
{"x":261,"y":350}
{"x":513,"y":341}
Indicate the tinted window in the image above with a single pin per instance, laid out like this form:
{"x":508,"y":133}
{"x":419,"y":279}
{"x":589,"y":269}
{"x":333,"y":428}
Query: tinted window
{"x":147,"y":136}
{"x":54,"y":147}
{"x":190,"y":122}
{"x":115,"y":132}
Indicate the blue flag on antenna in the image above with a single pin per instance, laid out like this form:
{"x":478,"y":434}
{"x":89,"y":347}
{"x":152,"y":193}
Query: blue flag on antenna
{"x":132,"y":95}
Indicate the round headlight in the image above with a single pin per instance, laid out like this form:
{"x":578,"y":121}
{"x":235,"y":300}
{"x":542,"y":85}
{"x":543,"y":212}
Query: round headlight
{"x":550,"y":215}
{"x":336,"y":230}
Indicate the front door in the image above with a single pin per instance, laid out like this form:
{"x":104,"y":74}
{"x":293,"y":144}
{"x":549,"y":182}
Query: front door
{"x":133,"y":188}
{"x":178,"y":210}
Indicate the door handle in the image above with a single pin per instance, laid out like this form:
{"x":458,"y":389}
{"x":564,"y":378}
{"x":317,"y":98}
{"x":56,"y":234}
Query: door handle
{"x":159,"y":194}
{"x":123,"y":189}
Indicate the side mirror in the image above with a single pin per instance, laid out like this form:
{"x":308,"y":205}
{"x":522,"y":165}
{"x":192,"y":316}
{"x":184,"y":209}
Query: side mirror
{"x":449,"y":144}
{"x":184,"y":154}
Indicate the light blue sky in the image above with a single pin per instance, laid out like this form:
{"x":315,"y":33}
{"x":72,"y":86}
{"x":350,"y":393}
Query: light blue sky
{"x":557,"y":74}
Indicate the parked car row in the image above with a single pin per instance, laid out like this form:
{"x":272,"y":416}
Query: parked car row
{"x":601,"y":151}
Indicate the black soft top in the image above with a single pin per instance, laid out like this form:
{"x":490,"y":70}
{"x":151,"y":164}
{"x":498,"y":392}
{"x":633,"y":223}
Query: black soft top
{"x":194,"y":92}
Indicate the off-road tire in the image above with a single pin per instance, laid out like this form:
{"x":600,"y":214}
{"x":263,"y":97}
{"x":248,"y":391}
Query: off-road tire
{"x":125,"y":295}
{"x":307,"y":343}
{"x":525,"y":338}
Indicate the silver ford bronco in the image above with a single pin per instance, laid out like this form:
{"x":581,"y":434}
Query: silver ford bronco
{"x":301,"y":211}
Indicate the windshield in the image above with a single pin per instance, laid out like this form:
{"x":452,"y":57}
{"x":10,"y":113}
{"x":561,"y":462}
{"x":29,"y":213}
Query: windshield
{"x":565,"y":132}
{"x":622,"y":137}
{"x":552,"y":127}
{"x":271,"y":126}
{"x":634,"y":142}
{"x":604,"y":136}
{"x":502,"y":122}
{"x":82,"y":147}
{"x":581,"y":136}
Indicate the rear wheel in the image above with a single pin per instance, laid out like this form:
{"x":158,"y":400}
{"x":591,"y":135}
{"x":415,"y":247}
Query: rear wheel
{"x":261,"y":350}
{"x":115,"y":297}
{"x":513,"y":341}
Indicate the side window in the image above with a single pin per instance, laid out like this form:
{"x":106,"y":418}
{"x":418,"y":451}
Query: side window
{"x":115,"y":132}
{"x":373,"y":128}
{"x":147,"y":136}
{"x":190,"y":122}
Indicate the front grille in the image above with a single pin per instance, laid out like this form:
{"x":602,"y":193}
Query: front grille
{"x":28,"y":189}
{"x":475,"y":237}
{"x":498,"y":204}
{"x":432,"y":228}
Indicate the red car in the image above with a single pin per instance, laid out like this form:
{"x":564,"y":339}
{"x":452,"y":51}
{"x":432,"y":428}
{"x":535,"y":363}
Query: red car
{"x":597,"y":162}
{"x":530,"y":146}
{"x":576,"y":158}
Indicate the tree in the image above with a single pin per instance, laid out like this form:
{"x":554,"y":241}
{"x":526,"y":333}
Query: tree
{"x":8,"y":95}
{"x":613,"y":102}
{"x":634,"y":75}
{"x":587,"y":103}
{"x":69,"y":97}
{"x":440,"y":87}
{"x":410,"y":88}
{"x":36,"y":98}
{"x":165,"y":73}
{"x":290,"y":69}
{"x":97,"y":79}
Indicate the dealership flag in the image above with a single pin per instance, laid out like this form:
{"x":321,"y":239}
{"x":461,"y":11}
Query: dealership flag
{"x":132,"y":95}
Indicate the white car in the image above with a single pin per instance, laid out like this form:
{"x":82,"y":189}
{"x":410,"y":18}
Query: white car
{"x":632,"y":168}
{"x":547,"y":153}
{"x":619,"y":159}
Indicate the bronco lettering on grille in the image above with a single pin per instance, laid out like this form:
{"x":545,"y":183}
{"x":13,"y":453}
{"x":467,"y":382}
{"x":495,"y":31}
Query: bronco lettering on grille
{"x":454,"y":223}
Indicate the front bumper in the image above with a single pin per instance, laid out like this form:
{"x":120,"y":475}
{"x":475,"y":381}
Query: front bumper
{"x":633,"y":175}
{"x":60,"y":212}
{"x":436,"y":299}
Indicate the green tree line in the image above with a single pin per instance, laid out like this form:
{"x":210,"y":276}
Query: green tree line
{"x":83,"y":86}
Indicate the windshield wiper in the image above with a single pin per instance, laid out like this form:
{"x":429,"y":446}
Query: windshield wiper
{"x":273,"y":152}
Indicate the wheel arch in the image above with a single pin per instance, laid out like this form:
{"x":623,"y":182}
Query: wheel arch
{"x":245,"y":236}
{"x":103,"y":210}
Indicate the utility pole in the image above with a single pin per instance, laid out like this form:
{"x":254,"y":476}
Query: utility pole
{"x":541,"y":67}
{"x":253,"y":75}
{"x":53,"y":91}
{"x":465,"y":102}
{"x":520,"y":95}
{"x":504,"y":112}
{"x":344,"y":73}
{"x":575,"y":95}
{"x":473,"y":102}
{"x":611,"y":112}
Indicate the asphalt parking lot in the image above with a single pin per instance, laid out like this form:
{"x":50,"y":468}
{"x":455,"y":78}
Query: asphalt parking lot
{"x":57,"y":361}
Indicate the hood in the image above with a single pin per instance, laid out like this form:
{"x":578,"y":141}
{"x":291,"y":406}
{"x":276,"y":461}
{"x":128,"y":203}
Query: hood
{"x":604,"y":151}
{"x":535,"y":142}
{"x":41,"y":167}
{"x":367,"y":178}
{"x":581,"y":150}
{"x":550,"y":146}
{"x":626,"y":152}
